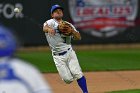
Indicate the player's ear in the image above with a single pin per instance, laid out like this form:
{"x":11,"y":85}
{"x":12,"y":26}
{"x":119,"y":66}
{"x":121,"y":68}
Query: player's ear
{"x":52,"y":15}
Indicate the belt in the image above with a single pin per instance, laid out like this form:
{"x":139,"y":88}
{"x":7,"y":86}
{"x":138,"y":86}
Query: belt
{"x":62,"y":53}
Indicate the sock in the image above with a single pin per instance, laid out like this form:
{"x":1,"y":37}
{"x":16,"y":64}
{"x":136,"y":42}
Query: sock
{"x":83,"y":85}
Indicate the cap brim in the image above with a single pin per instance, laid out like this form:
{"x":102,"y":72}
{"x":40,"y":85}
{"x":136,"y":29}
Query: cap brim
{"x":58,"y":8}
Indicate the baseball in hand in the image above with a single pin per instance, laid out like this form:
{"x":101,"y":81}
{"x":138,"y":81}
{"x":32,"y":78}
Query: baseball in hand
{"x":17,"y":10}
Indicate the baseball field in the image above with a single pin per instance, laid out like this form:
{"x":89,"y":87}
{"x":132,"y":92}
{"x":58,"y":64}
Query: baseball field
{"x":104,"y":65}
{"x":127,"y":91}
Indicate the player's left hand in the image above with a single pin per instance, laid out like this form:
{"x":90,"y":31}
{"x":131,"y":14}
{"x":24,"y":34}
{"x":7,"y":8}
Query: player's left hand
{"x":65,"y":28}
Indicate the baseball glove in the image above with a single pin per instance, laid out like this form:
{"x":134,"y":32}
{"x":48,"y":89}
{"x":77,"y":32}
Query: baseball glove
{"x":65,"y":28}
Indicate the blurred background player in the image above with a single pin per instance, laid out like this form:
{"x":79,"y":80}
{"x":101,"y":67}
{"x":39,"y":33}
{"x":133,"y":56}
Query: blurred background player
{"x":17,"y":76}
{"x":64,"y":56}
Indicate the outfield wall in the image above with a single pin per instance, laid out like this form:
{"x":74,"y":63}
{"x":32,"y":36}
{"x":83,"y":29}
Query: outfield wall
{"x":28,"y":24}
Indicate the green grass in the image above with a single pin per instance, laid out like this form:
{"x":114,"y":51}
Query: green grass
{"x":126,"y":91}
{"x":97,"y":60}
{"x":42,"y":60}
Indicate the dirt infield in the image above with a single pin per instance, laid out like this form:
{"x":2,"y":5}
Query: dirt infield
{"x":98,"y":82}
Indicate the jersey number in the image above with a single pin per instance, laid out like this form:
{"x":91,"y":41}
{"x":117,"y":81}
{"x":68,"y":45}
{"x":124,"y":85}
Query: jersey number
{"x":65,"y":39}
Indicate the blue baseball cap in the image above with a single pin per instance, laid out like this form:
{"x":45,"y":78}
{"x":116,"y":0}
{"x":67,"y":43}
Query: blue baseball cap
{"x":8,"y":43}
{"x":54,"y":7}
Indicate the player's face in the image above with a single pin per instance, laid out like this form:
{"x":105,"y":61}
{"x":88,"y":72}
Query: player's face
{"x":58,"y":14}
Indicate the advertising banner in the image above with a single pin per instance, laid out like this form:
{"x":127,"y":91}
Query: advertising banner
{"x":103,"y":18}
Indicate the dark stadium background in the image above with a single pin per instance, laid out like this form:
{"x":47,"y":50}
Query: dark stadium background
{"x":30,"y":34}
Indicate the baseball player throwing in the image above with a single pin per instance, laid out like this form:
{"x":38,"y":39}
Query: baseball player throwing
{"x":59,"y":34}
{"x":17,"y":76}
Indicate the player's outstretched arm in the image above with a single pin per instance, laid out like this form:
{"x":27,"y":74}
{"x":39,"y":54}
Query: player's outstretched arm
{"x":76,"y":35}
{"x":49,"y":30}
